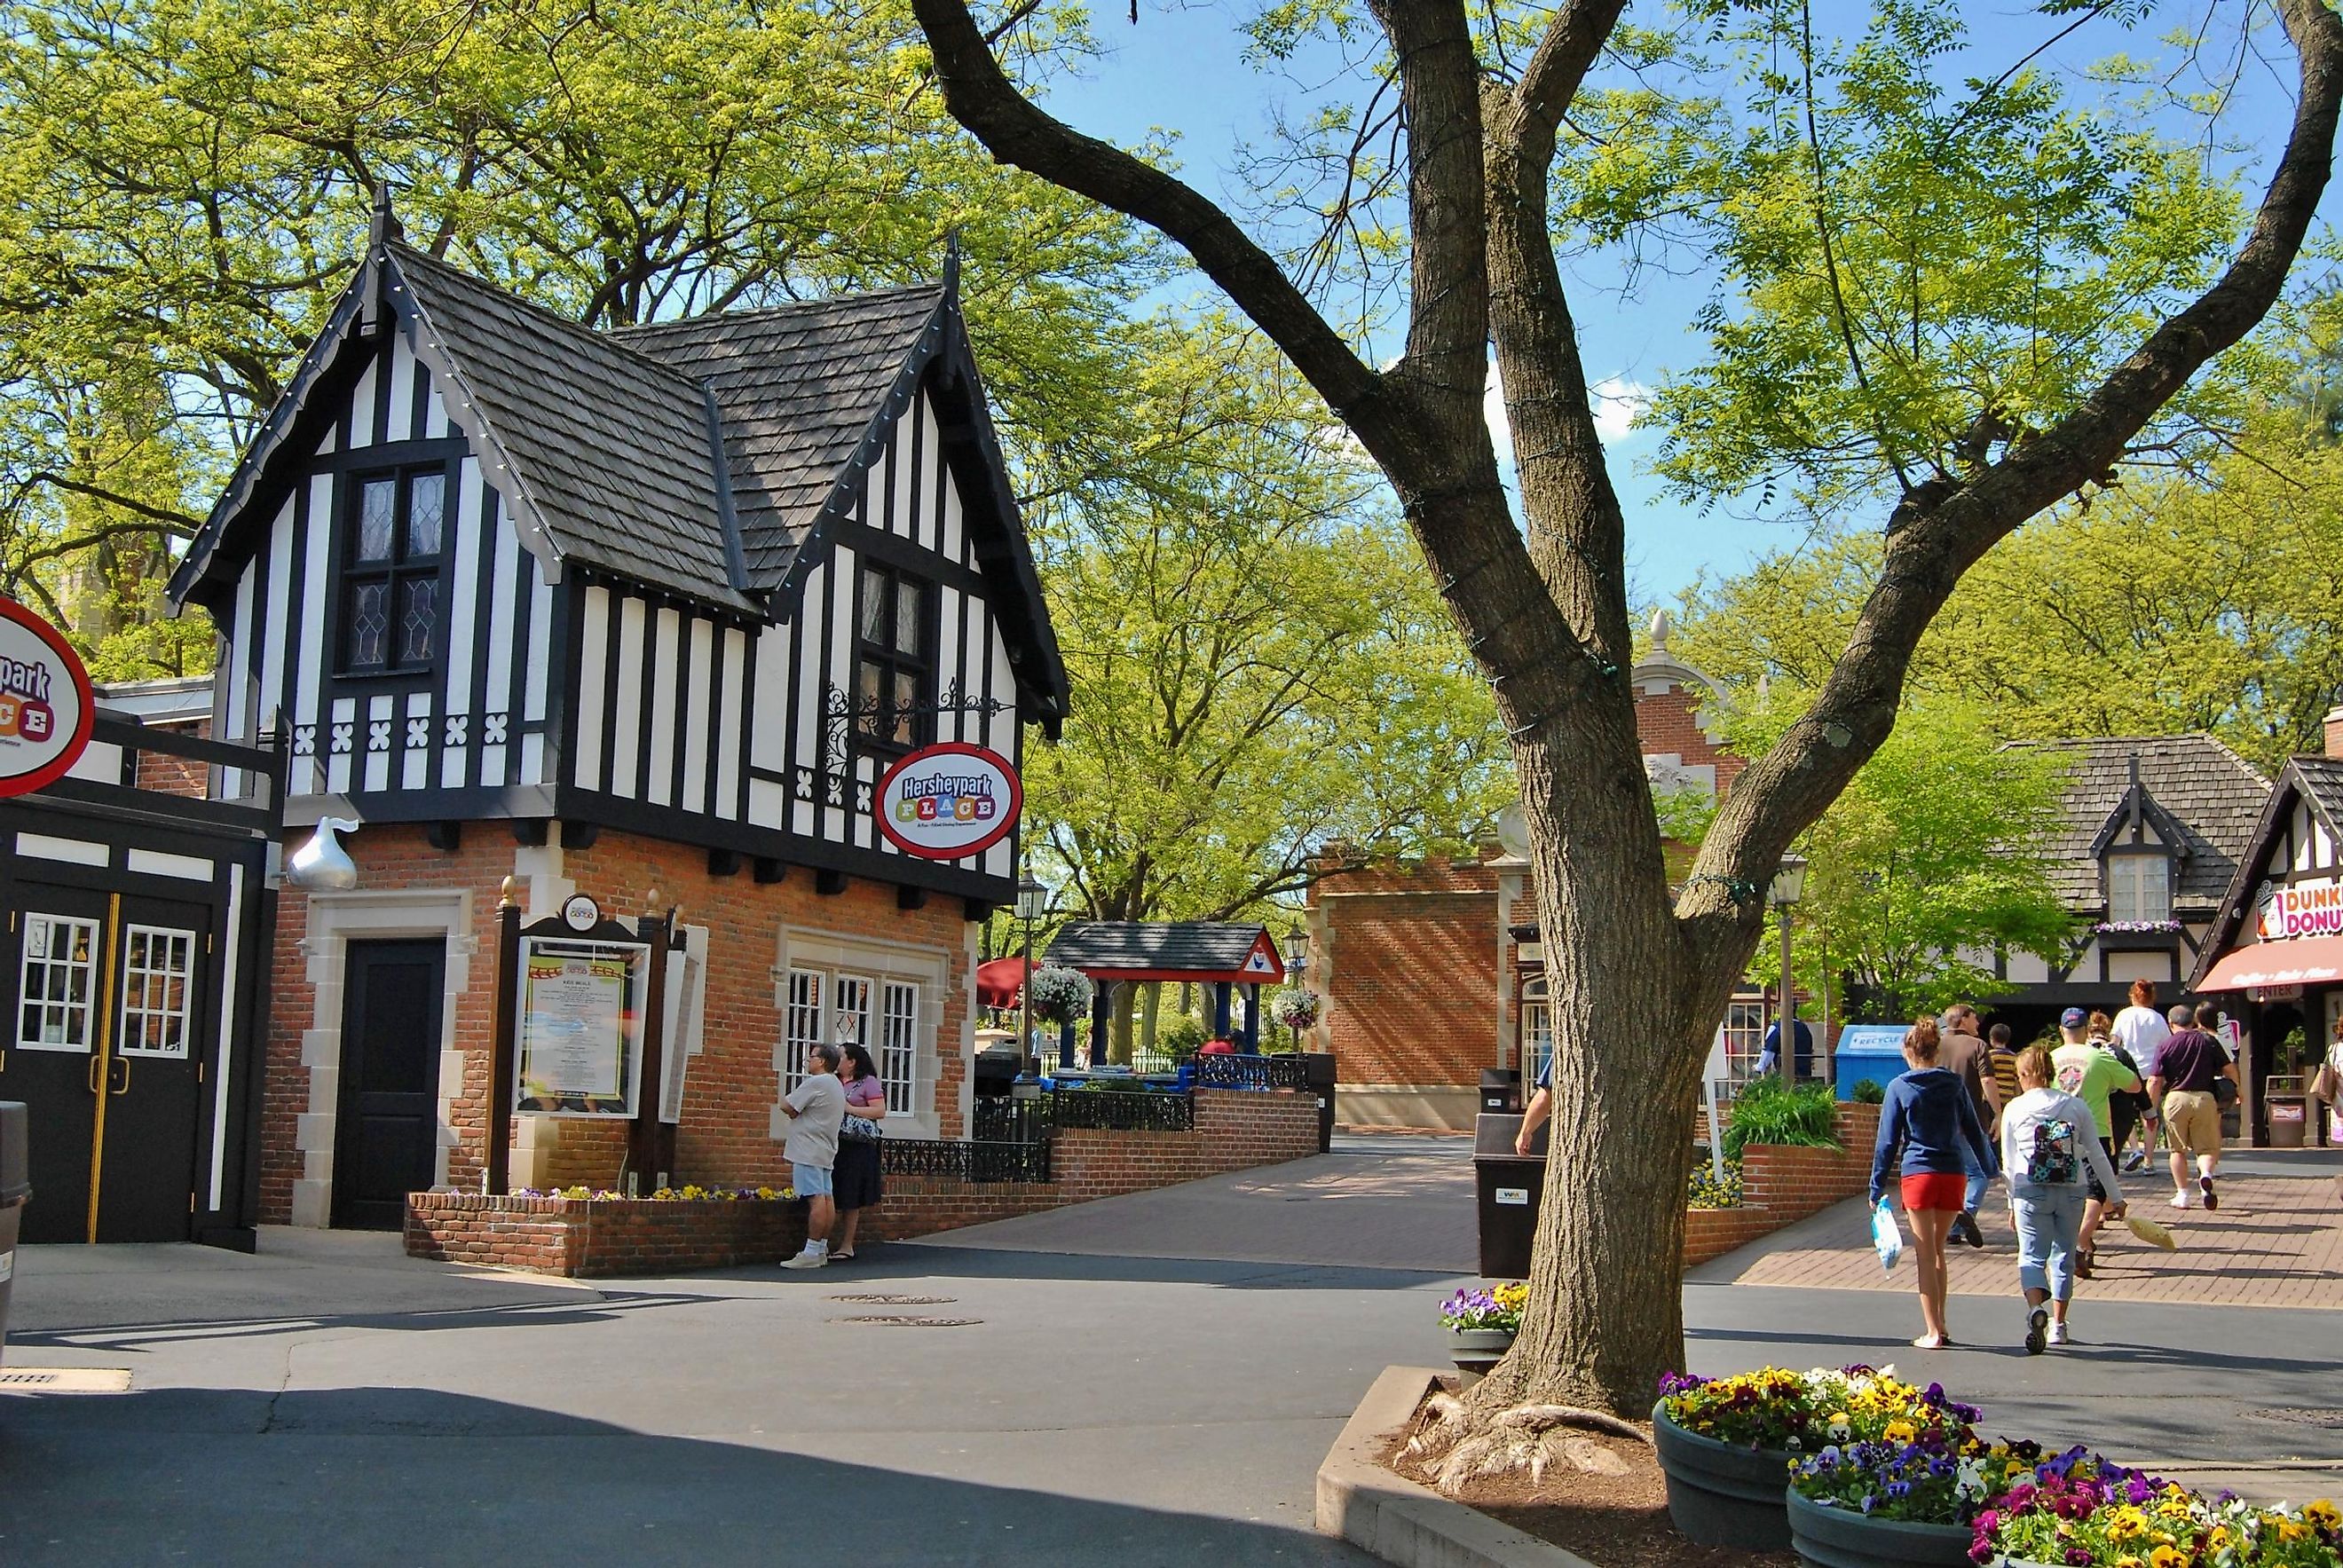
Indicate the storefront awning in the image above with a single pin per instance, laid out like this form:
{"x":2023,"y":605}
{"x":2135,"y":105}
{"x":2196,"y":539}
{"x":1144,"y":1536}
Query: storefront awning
{"x":2305,"y":961}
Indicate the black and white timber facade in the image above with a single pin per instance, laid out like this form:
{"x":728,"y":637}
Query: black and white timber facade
{"x":700,"y":580}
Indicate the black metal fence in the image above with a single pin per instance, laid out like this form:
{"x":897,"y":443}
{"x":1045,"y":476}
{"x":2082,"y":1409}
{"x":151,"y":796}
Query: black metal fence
{"x":1250,"y":1072}
{"x":968,"y":1160}
{"x":1008,"y":1119}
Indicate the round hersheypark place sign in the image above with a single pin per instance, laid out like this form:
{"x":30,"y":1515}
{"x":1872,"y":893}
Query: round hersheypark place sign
{"x":46,"y":704}
{"x":949,"y":801}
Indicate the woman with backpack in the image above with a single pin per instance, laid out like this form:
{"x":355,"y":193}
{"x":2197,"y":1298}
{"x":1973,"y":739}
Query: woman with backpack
{"x":2047,"y":1143}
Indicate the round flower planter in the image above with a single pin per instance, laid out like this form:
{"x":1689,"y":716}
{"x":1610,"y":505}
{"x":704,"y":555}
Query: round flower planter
{"x":1827,"y":1537}
{"x":1475,"y":1350}
{"x":1720,"y":1495}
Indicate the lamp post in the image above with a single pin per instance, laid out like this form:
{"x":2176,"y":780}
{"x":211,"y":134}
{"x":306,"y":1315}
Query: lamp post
{"x":1297,"y":959}
{"x":1789,"y":883}
{"x":1032,"y":898}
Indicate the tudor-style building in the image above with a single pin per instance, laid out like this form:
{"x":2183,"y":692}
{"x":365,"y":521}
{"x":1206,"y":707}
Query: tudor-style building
{"x":2150,"y":834}
{"x":611,"y":612}
{"x":2273,"y":956}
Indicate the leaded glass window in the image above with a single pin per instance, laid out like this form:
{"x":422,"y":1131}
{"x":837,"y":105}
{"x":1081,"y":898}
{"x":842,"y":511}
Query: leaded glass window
{"x":390,"y":570}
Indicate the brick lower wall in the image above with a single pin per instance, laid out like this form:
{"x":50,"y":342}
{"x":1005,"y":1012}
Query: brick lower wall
{"x":597,"y":1238}
{"x":1781,"y":1185}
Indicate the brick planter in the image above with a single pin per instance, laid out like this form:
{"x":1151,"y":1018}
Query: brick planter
{"x":608,"y":1237}
{"x":601,"y":1237}
{"x":1781,"y":1185}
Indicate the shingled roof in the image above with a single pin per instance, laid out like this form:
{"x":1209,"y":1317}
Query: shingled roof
{"x":800,"y":387}
{"x":1217,"y":948}
{"x":2213,"y":797}
{"x":612,"y":448}
{"x":2321,"y":780}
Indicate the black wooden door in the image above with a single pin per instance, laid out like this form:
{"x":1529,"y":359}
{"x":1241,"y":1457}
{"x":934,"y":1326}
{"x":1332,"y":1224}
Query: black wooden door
{"x":385,"y":1136}
{"x":49,"y":1050}
{"x":154,"y":1071}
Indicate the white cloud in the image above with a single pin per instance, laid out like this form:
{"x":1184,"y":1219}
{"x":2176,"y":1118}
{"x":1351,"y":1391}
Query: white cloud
{"x":1617,"y":400}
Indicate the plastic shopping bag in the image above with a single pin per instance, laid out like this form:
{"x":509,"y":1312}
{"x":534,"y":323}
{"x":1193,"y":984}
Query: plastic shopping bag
{"x":2149,"y":1232}
{"x":1885,"y":1237}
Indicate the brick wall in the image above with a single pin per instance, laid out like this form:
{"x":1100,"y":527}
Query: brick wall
{"x":168,"y":775}
{"x":1234,"y":1129}
{"x":1782,"y":1185}
{"x":725,"y":1137}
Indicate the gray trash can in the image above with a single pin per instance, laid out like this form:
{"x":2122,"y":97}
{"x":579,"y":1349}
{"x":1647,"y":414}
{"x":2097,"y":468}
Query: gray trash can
{"x":14,"y":1189}
{"x":1508,"y":1187}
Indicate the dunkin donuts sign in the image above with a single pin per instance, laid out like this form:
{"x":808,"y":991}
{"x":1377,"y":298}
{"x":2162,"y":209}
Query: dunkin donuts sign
{"x":46,"y":706}
{"x":2311,"y":909}
{"x":949,"y":801}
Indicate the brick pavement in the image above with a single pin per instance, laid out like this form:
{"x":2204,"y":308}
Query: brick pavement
{"x":2277,"y":1241}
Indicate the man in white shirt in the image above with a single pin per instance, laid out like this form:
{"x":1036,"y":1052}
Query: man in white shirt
{"x":815,"y":1108}
{"x":2142,"y":1032}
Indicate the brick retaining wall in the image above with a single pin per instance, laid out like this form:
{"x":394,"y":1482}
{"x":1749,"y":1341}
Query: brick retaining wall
{"x":597,"y":1238}
{"x":1782,"y":1185}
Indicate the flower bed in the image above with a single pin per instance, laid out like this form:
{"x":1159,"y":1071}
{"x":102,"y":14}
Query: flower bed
{"x":594,"y":1236}
{"x":1879,"y":1470}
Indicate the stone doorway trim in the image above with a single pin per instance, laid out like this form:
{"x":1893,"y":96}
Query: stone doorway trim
{"x":334,"y":918}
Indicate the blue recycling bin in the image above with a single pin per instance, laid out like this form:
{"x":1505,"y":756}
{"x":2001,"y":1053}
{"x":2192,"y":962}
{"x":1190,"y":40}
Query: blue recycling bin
{"x":1872,"y":1051}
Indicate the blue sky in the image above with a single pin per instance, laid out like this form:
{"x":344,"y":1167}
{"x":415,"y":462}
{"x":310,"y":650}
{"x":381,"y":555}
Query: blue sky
{"x":1181,"y":70}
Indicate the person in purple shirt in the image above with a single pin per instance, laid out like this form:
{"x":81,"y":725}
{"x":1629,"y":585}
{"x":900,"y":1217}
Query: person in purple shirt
{"x":1930,"y":1117}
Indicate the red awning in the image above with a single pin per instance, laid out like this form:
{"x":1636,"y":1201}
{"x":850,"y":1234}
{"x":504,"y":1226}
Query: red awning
{"x":2305,"y":961}
{"x":998,"y":982}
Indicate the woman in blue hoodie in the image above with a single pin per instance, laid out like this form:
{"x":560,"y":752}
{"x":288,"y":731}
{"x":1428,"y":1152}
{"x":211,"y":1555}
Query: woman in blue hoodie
{"x":1927,"y":1114}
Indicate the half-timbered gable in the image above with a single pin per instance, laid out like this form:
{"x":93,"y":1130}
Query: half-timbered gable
{"x":703,"y":579}
{"x":2151,"y":830}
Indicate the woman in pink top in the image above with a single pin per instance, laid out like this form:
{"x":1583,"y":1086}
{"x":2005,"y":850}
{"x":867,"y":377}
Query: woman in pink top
{"x":856,"y":1175}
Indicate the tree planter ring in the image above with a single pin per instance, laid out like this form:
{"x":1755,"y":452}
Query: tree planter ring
{"x":1720,"y":1495}
{"x":1475,"y":1350}
{"x":1828,"y":1537}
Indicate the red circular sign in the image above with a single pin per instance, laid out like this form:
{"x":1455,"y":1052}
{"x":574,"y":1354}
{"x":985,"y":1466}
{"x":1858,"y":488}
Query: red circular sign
{"x":46,"y":704}
{"x":949,"y":801}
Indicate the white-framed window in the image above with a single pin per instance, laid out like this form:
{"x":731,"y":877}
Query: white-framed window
{"x":826,"y":1007}
{"x":898,"y":1051}
{"x":158,"y":991}
{"x":2139,"y":886}
{"x":1744,"y":1037}
{"x":888,"y":997}
{"x":58,"y":985}
{"x":1537,"y":1031}
{"x":802,"y":1026}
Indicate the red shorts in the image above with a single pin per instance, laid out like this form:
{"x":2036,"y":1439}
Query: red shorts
{"x":1936,"y":1190}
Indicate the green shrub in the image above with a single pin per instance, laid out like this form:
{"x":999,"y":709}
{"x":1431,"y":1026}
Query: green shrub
{"x":1180,"y":1038}
{"x":1867,"y":1092}
{"x":1769,"y":1113}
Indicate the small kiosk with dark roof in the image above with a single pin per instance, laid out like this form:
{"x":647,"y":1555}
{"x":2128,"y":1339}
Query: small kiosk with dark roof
{"x":1221,"y":954}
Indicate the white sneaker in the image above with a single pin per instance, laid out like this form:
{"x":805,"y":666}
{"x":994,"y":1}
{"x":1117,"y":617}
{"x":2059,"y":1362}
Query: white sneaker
{"x":2058,"y":1333}
{"x":2180,"y":1199}
{"x":809,"y":1259}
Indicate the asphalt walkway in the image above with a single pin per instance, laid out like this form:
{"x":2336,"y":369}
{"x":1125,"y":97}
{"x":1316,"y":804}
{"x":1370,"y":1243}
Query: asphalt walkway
{"x":1155,"y":1384}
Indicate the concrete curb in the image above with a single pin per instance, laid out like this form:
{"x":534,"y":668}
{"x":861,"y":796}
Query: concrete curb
{"x":1393,"y":1518}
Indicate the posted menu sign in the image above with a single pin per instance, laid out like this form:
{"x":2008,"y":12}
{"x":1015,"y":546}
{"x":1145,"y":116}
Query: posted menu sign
{"x":581,"y":1010}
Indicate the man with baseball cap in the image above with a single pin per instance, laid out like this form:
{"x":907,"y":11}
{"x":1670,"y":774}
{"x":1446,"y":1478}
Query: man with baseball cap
{"x":2091,"y":1072}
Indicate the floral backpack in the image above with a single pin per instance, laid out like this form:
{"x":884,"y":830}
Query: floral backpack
{"x":2050,"y":1162}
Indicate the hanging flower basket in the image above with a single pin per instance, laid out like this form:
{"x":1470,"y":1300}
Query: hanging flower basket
{"x":1297,"y":1009}
{"x":1061,"y":996}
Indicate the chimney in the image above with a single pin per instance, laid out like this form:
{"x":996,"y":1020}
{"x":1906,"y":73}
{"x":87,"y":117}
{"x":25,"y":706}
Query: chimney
{"x":2335,"y":733}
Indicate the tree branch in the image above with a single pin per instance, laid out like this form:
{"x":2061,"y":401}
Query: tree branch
{"x":982,"y":98}
{"x":1941,"y":526}
{"x":179,"y":524}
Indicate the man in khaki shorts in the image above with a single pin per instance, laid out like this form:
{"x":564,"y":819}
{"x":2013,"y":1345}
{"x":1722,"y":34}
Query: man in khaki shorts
{"x":2182,"y":1087}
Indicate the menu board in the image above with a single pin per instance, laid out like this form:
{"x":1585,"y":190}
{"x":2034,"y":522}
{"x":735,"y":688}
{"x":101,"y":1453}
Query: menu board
{"x":581,"y":1018}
